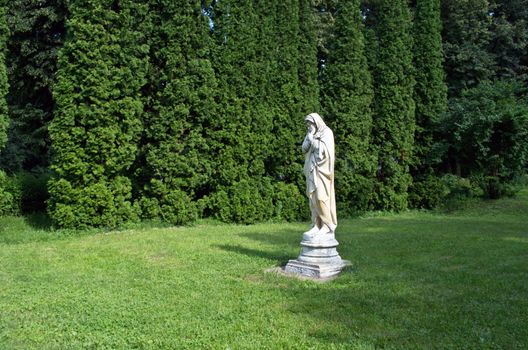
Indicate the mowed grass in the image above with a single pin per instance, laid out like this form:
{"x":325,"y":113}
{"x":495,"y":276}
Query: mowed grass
{"x":419,"y":280}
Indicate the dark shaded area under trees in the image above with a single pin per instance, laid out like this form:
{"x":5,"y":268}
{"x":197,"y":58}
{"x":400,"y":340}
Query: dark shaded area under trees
{"x":116,"y":111}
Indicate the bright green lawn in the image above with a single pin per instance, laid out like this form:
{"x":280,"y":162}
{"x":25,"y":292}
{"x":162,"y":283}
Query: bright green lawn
{"x":419,"y":280}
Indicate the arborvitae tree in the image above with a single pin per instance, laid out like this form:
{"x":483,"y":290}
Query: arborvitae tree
{"x":346,"y":95}
{"x":466,"y":35}
{"x":4,"y":118}
{"x":240,"y":126}
{"x":324,"y":27}
{"x":178,"y":165}
{"x":97,"y":119}
{"x":258,"y":121}
{"x":6,"y":198}
{"x":308,"y":58}
{"x":430,"y":96}
{"x":394,"y":123}
{"x":283,"y":89}
{"x":294,"y":93}
{"x":37,"y":33}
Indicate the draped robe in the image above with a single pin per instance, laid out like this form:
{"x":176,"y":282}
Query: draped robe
{"x":319,"y":172}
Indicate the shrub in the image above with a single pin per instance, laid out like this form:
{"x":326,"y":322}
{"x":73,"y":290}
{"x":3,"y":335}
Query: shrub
{"x":250,"y":201}
{"x":103,"y":204}
{"x":4,"y":118}
{"x":394,"y":118}
{"x":493,"y":187}
{"x":289,"y":203}
{"x":346,"y":98}
{"x":428,"y":193}
{"x":168,"y":204}
{"x":458,"y":190}
{"x":176,"y":147}
{"x":245,"y":202}
{"x":357,"y":190}
{"x":486,"y":135}
{"x":10,"y":195}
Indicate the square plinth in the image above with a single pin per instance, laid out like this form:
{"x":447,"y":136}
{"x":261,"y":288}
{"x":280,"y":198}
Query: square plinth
{"x":315,"y":271}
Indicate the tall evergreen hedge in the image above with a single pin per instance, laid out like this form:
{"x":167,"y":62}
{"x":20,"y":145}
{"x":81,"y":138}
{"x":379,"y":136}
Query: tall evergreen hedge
{"x":240,"y":124}
{"x":293,"y":93}
{"x":258,"y":117}
{"x":176,"y":110}
{"x":394,"y":120}
{"x":308,"y":57}
{"x":283,"y":95}
{"x":97,"y":121}
{"x":37,"y":34}
{"x":346,"y":97}
{"x":6,"y":198}
{"x":178,"y":166}
{"x":4,"y":118}
{"x":430,"y":96}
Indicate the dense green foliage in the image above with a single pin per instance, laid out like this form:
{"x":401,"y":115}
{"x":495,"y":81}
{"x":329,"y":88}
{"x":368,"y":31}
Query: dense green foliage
{"x":486,"y":46}
{"x":265,"y":86}
{"x":430,"y":97}
{"x":242,"y":125}
{"x":4,"y":118}
{"x":9,"y":196}
{"x":308,"y":57}
{"x":419,"y":279}
{"x":488,"y":130}
{"x":466,"y":36}
{"x":22,"y":193}
{"x":37,"y":34}
{"x":7,"y":205}
{"x":394,"y":120}
{"x":175,"y":163}
{"x":509,"y":42}
{"x":171,"y":111}
{"x":346,"y":98}
{"x":97,"y":120}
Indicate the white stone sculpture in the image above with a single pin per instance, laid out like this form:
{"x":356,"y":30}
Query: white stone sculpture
{"x":318,"y":148}
{"x":319,"y":257}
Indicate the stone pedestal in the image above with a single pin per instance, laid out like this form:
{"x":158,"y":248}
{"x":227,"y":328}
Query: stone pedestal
{"x":318,"y":259}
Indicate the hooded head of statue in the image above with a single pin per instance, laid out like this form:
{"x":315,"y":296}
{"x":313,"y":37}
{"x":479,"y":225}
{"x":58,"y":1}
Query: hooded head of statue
{"x":316,"y":119}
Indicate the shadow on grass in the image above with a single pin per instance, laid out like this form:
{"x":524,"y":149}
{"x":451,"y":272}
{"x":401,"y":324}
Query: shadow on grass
{"x":286,"y":237}
{"x":280,"y":257}
{"x":283,"y":241}
{"x":35,"y":227}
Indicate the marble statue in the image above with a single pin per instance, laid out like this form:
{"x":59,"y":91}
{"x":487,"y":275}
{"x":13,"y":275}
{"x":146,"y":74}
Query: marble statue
{"x":318,"y":148}
{"x":319,"y":258}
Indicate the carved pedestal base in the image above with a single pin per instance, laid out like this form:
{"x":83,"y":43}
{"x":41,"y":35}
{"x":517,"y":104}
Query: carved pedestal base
{"x":318,"y":259}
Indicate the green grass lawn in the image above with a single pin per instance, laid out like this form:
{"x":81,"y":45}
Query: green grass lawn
{"x":419,"y":280}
